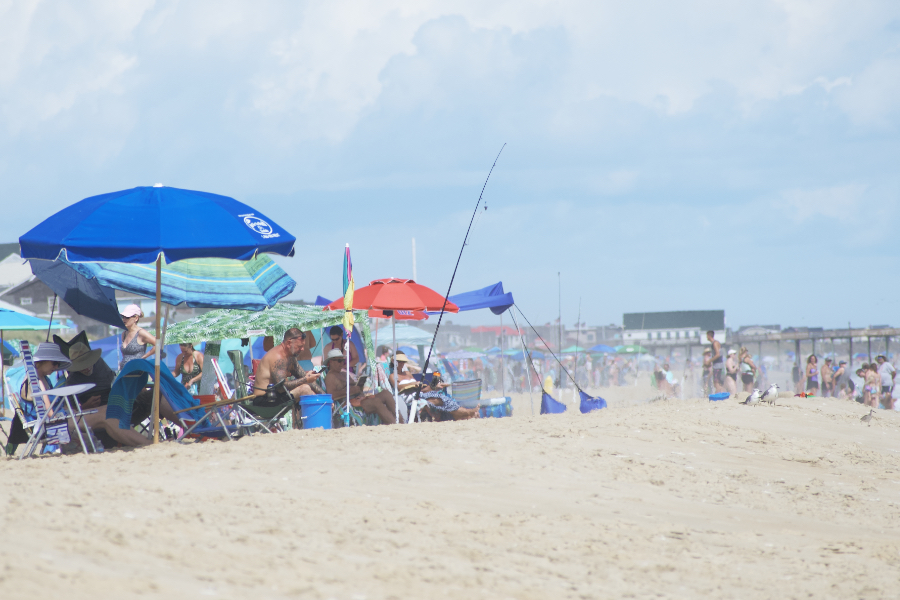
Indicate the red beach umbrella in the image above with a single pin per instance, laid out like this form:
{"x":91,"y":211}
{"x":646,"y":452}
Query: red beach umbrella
{"x":400,"y":315}
{"x":396,"y":294}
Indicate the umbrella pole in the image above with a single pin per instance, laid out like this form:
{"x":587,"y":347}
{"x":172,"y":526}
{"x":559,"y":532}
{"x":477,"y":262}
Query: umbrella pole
{"x":2,"y":378}
{"x":347,"y":405}
{"x":396,"y":375}
{"x":154,"y":415}
{"x":527,"y":360}
{"x":502,"y":378}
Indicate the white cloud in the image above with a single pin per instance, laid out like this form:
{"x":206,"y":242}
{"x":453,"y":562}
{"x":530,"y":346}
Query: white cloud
{"x":838,"y":202}
{"x":873,"y":98}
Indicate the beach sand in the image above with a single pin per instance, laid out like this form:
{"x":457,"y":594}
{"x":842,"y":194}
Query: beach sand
{"x":675,"y":499}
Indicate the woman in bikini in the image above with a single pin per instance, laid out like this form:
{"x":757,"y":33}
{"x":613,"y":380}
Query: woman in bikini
{"x":812,"y":375}
{"x":189,"y":365}
{"x":873,"y":385}
{"x":135,"y":339}
{"x":748,"y":370}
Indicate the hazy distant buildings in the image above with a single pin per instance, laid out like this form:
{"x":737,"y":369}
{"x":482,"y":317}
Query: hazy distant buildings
{"x":675,"y":328}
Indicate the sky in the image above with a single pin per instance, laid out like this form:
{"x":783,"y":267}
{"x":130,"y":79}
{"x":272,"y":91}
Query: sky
{"x":659,"y":155}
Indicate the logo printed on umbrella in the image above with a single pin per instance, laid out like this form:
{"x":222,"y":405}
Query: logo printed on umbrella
{"x":259,"y":226}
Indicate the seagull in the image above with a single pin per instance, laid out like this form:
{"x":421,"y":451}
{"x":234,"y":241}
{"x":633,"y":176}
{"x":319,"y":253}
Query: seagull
{"x":770,"y":394}
{"x":752,"y":399}
{"x":868,"y":418}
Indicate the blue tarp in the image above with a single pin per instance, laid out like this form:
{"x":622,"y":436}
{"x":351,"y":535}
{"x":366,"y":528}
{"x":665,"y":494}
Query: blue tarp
{"x":492,"y":297}
{"x":551,"y":406}
{"x":137,"y":225}
{"x":10,"y":348}
{"x":589,"y":403}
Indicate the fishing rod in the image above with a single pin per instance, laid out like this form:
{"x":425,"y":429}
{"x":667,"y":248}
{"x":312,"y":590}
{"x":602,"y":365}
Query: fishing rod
{"x":546,"y":345}
{"x":458,"y":259}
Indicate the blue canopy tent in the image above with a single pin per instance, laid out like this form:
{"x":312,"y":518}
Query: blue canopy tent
{"x":492,"y":297}
{"x":498,"y":301}
{"x":146,"y":225}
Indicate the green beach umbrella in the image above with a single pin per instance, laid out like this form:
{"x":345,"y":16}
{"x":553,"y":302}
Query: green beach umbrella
{"x":573,"y":349}
{"x":631,"y":350}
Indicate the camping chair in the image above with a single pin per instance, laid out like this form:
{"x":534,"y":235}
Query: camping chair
{"x":358,"y":416}
{"x":51,"y":427}
{"x":241,"y":372}
{"x":212,"y":431}
{"x":466,"y":393}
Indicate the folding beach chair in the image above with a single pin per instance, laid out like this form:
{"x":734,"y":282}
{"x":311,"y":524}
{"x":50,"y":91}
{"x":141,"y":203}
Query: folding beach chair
{"x":241,"y":372}
{"x":51,"y":426}
{"x":246,"y":422}
{"x":466,"y":393}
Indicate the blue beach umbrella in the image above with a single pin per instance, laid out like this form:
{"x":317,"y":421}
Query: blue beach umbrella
{"x":146,"y":225}
{"x":603,"y":348}
{"x":253,"y":284}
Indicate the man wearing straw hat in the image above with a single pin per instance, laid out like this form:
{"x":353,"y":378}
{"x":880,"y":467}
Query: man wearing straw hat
{"x":87,"y":367}
{"x":381,"y":403}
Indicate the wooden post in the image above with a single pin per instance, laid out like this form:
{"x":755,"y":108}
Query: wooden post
{"x":850,"y":361}
{"x":869,"y":344}
{"x":154,"y":415}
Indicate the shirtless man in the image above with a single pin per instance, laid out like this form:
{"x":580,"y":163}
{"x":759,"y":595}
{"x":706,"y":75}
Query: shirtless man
{"x":716,"y":362}
{"x":827,"y":379}
{"x":281,"y":362}
{"x":731,"y":369}
{"x":337,"y":343}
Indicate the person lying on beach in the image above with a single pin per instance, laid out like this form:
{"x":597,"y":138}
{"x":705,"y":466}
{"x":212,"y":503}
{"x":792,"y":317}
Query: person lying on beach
{"x":131,"y":401}
{"x":280,"y":363}
{"x":381,"y":403}
{"x":438,"y":401}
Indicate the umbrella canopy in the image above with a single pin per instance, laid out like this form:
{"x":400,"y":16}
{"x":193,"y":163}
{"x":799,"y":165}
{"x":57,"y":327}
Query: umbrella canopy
{"x":573,"y":350}
{"x":197,"y":282}
{"x":603,"y":348}
{"x":396,"y":294}
{"x":460,"y":354}
{"x":140,"y":224}
{"x":400,"y":315}
{"x":87,"y":297}
{"x":634,"y":349}
{"x":406,"y":335}
{"x":226,"y":323}
{"x":11,"y":320}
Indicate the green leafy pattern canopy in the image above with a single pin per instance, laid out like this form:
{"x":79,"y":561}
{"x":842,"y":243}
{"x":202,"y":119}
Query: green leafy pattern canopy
{"x":229,"y":324}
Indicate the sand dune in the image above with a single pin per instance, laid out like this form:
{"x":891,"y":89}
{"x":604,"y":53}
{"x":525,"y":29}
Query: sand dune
{"x":675,"y":499}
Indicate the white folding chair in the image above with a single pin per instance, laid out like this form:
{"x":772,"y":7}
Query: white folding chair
{"x":50,"y":427}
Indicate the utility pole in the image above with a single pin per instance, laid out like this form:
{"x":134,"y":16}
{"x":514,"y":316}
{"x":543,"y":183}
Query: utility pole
{"x":416,"y":279}
{"x":559,"y":324}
